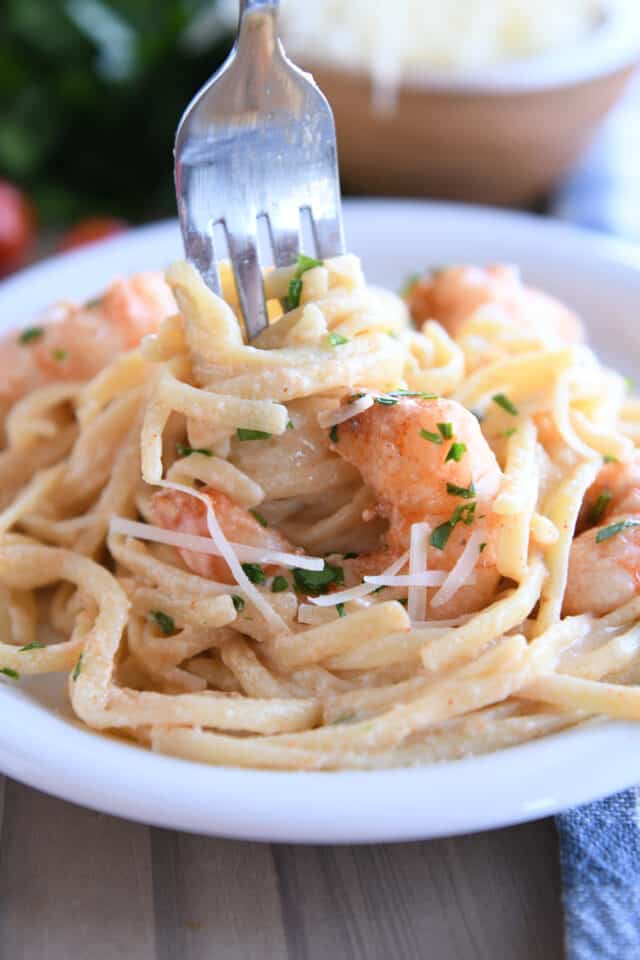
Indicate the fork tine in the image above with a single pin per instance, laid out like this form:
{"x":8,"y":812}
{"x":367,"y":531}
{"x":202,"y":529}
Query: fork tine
{"x":328,"y":236}
{"x":191,"y":185}
{"x":284,"y":234}
{"x":248,"y":277}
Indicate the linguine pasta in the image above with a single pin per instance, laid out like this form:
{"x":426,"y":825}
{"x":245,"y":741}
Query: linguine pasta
{"x":227,"y":542}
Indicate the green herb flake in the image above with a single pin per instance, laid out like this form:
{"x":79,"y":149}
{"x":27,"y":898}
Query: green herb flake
{"x":419,"y":394}
{"x":238,"y":602}
{"x":77,"y":670}
{"x":35,"y":645}
{"x":295,"y":284}
{"x":10,"y":672}
{"x":355,"y":396}
{"x":377,"y":589}
{"x":432,"y":437}
{"x":440,"y":535}
{"x":510,"y":432}
{"x":350,"y":556}
{"x":279,"y":584}
{"x":318,"y":581}
{"x":333,"y":433}
{"x":482,"y":548}
{"x":446,"y":430}
{"x":94,"y":302}
{"x":59,"y":355}
{"x":503,"y":401}
{"x":30,"y":335}
{"x":243,"y":434}
{"x":404,"y":601}
{"x":609,"y":459}
{"x":611,"y":531}
{"x":164,"y":621}
{"x":289,"y":425}
{"x":599,"y":507}
{"x":467,"y":493}
{"x":341,"y":610}
{"x":261,"y":520}
{"x":410,"y":282}
{"x":337,"y":340}
{"x":385,"y":400}
{"x":184,"y":450}
{"x":254,"y":572}
{"x":456,"y":452}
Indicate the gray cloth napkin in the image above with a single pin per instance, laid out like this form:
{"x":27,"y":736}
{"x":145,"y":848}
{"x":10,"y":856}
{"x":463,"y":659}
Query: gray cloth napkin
{"x":600,"y":842}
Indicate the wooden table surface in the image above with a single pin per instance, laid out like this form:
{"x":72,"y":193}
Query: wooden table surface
{"x":77,"y":885}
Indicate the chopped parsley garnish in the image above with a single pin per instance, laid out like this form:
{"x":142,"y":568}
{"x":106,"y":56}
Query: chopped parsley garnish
{"x":433,"y":437}
{"x":279,"y":584}
{"x":336,"y":339}
{"x":409,"y":284}
{"x":185,"y":450}
{"x":350,"y":556}
{"x":456,"y":452}
{"x":254,"y":572}
{"x":404,"y":601}
{"x":599,"y":506}
{"x":377,"y":589}
{"x":467,"y":493}
{"x":59,"y":355}
{"x":164,"y":621}
{"x":609,"y":459}
{"x":94,"y":302}
{"x":261,"y":520}
{"x":295,"y":284}
{"x":35,"y":645}
{"x":503,"y":401}
{"x":440,"y":536}
{"x":615,"y":528}
{"x":243,"y":434}
{"x":77,"y":670}
{"x":10,"y":672}
{"x":30,"y":335}
{"x":355,"y":396}
{"x":482,"y":547}
{"x":333,"y":433}
{"x":341,"y":610}
{"x":420,"y":394}
{"x":446,"y":429}
{"x":238,"y":602}
{"x":289,"y":425}
{"x":318,"y":581}
{"x":510,"y":432}
{"x":385,"y":400}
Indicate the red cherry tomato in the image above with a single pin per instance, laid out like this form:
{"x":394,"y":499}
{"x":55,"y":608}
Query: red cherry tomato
{"x":17,"y":228}
{"x":91,"y":230}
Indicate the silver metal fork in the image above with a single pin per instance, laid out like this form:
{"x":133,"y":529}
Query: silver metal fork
{"x":258,"y":141}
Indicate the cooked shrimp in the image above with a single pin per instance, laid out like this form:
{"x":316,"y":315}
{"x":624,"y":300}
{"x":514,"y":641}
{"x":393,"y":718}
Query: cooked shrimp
{"x":453,"y":294}
{"x":605,"y":574}
{"x":178,"y":511}
{"x":76,"y":342}
{"x":406,"y":453}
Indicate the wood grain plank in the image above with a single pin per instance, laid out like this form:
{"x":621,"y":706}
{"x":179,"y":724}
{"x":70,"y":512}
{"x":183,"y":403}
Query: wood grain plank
{"x":469,"y":898}
{"x":73,"y":883}
{"x":215,"y":899}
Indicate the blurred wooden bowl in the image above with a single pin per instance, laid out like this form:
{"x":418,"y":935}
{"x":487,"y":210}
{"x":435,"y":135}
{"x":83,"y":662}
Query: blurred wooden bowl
{"x":505,"y":136}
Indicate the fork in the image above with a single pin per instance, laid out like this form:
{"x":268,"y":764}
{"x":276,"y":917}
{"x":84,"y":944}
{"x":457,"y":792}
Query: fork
{"x":257,"y":143}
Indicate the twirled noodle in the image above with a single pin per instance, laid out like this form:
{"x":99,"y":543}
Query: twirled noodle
{"x":196,"y":434}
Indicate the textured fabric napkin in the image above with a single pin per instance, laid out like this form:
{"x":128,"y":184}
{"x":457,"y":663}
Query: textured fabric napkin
{"x":600,"y":842}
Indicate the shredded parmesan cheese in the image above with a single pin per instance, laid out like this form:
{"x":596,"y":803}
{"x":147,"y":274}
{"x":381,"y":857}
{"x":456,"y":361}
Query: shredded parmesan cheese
{"x":430,"y":578}
{"x":275,"y":622}
{"x":189,"y":541}
{"x":462,"y":570}
{"x":330,"y":418}
{"x":417,"y":606}
{"x":362,"y":590}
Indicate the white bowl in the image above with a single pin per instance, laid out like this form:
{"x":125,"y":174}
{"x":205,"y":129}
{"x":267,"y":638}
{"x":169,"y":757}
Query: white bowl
{"x":41,"y":743}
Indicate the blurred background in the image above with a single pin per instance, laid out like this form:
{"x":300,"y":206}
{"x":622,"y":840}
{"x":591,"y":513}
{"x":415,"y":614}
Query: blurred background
{"x":492,"y":101}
